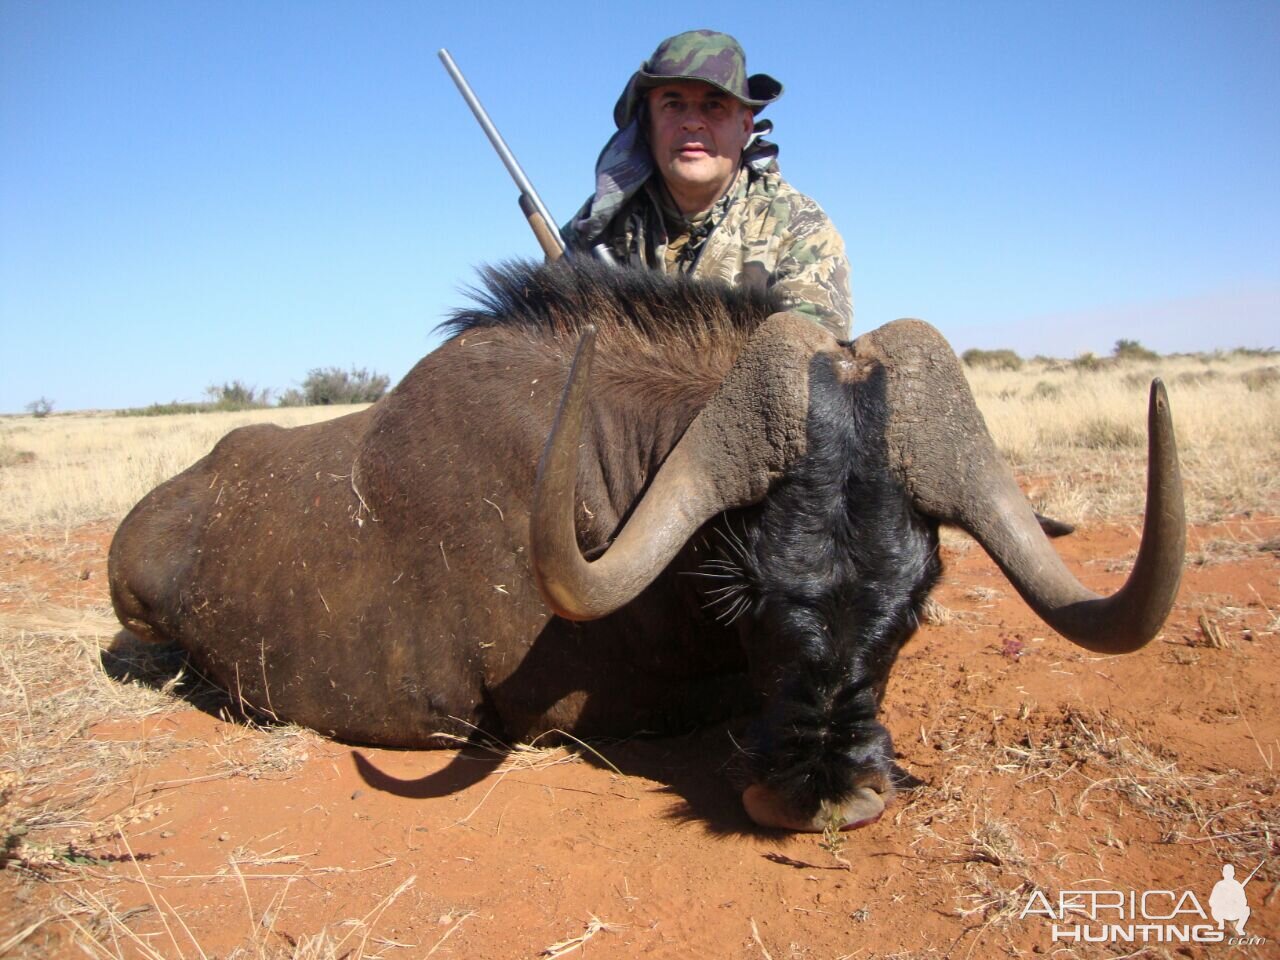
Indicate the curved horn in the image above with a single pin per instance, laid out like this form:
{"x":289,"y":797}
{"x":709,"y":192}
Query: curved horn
{"x":747,"y":434}
{"x":1129,"y":618}
{"x":949,"y":464}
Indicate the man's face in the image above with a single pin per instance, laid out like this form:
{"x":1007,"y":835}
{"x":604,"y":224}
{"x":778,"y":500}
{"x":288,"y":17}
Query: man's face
{"x":697,"y":134}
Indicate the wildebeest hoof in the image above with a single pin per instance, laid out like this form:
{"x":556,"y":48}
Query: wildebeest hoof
{"x":861,"y":808}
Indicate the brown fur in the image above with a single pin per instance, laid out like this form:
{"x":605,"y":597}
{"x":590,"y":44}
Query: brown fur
{"x":369,"y":576}
{"x":659,"y":339}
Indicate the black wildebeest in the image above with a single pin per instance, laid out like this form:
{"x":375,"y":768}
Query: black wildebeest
{"x":731,"y":508}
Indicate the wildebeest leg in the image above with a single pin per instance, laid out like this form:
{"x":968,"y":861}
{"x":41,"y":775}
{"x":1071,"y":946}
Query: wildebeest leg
{"x":644,"y":705}
{"x":607,"y":678}
{"x":678,"y":706}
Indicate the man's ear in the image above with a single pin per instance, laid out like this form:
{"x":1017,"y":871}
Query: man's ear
{"x":748,"y":125}
{"x":642,"y":121}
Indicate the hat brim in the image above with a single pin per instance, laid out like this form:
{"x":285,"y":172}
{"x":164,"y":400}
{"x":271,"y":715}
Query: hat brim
{"x":762,"y":90}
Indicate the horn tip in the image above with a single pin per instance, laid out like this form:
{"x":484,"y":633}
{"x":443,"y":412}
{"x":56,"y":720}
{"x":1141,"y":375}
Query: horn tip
{"x":1159,"y":395}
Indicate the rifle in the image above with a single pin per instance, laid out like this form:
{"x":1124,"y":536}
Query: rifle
{"x":1250,"y":876}
{"x":535,"y":212}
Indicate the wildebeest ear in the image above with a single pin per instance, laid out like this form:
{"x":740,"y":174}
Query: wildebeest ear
{"x":1054,"y":528}
{"x":748,"y":434}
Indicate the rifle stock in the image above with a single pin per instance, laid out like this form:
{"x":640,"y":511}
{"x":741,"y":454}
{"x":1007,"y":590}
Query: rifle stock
{"x":545,"y":233}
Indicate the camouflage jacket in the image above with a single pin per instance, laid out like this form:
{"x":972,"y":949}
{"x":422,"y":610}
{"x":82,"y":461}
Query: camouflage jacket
{"x":763,"y":232}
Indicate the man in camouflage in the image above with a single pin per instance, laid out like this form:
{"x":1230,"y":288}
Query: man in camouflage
{"x":719,"y":206}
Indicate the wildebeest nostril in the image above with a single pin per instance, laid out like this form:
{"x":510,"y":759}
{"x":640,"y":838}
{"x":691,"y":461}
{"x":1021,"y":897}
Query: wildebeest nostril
{"x":861,"y":808}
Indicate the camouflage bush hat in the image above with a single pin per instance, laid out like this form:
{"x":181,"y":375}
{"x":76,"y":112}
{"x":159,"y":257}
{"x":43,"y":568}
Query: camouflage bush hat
{"x":714,"y":58}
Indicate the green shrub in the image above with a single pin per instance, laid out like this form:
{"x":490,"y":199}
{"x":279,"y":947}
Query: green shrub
{"x":1046,"y":391}
{"x":331,"y":385}
{"x":993,"y":359}
{"x":40,"y":408}
{"x":236,"y":396}
{"x":1131,"y":350}
{"x":226,"y":397}
{"x":1088,"y":363}
{"x":165,"y":409}
{"x":323,"y":386}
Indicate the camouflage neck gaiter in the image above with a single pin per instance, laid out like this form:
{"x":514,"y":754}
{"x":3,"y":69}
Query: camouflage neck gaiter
{"x":625,"y":164}
{"x":686,"y":235}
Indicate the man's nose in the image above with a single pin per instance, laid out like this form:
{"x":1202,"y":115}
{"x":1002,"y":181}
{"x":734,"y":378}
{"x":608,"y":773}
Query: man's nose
{"x":692,"y":121}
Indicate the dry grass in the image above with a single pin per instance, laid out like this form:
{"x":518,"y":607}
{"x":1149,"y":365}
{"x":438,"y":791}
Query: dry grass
{"x":994,"y":860}
{"x":1087,"y":429}
{"x":53,"y":690}
{"x":936,"y":614}
{"x":66,"y":470}
{"x":63,"y":672}
{"x":1074,"y":427}
{"x":567,"y":946}
{"x":103,"y":931}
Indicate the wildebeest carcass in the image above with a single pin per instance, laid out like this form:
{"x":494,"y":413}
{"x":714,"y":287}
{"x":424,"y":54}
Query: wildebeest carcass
{"x":719,"y":506}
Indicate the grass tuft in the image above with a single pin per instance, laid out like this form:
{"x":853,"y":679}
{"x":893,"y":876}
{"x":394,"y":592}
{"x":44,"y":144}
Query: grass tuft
{"x":1264,"y":378}
{"x":1102,"y":434}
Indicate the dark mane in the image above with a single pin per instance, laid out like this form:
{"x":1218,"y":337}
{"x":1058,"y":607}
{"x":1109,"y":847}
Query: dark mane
{"x":561,"y":298}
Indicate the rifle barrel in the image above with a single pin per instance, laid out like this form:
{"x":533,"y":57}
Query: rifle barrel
{"x":500,"y":145}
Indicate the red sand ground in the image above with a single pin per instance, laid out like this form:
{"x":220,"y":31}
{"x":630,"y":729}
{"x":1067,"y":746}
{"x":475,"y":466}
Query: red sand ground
{"x":1023,"y":744}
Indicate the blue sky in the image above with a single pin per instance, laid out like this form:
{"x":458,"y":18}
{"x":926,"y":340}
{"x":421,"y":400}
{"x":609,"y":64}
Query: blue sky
{"x":197,"y":192}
